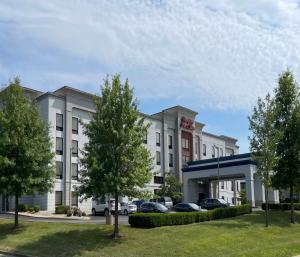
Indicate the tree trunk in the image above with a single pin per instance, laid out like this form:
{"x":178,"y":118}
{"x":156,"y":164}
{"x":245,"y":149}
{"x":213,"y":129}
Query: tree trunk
{"x":116,"y":227}
{"x":16,"y":210}
{"x":267,"y":206}
{"x":292,"y":204}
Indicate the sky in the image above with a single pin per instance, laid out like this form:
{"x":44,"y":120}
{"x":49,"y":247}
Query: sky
{"x":213,"y":56}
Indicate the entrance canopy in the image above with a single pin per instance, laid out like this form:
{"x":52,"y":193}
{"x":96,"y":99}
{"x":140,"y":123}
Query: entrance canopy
{"x":238,"y":167}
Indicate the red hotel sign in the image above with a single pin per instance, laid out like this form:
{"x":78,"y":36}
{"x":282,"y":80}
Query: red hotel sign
{"x":187,"y":123}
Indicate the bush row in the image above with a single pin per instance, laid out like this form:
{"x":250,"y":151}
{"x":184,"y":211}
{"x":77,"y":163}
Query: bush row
{"x":280,"y":206}
{"x":25,"y":208}
{"x":61,"y":209}
{"x":152,"y":220}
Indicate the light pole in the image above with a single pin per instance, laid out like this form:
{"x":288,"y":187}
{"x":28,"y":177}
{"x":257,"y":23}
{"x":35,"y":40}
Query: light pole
{"x":218,"y":187}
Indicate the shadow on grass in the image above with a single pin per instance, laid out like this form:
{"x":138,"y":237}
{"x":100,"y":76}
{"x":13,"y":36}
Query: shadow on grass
{"x":276,"y":219}
{"x":8,"y":229}
{"x":71,"y":243}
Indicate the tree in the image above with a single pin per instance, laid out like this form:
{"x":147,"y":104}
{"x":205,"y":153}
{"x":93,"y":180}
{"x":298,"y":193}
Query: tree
{"x":25,"y":146}
{"x":263,"y":143}
{"x":243,"y":196}
{"x":171,"y":188}
{"x":287,"y":170}
{"x":115,"y":160}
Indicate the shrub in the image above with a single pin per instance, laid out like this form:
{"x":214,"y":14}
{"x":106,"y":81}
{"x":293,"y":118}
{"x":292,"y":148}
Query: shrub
{"x":69,"y":212}
{"x":61,"y":209}
{"x":23,"y":207}
{"x":83,"y":214}
{"x":152,"y":220}
{"x":280,"y":206}
{"x":31,"y":209}
{"x":36,"y":208}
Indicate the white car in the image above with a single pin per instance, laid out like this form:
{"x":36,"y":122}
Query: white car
{"x":104,"y":205}
{"x":127,"y":208}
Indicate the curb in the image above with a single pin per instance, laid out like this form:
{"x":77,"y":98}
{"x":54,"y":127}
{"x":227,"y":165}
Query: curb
{"x":14,"y":254}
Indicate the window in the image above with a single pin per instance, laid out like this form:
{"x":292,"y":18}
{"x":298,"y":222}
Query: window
{"x":74,"y":148}
{"x":58,"y":197}
{"x":170,"y":160}
{"x":74,"y":125}
{"x":196,"y":150}
{"x":232,"y":200}
{"x":59,"y":146}
{"x":145,"y":139}
{"x":185,"y":159}
{"x":237,"y":186}
{"x":232,"y":185}
{"x":170,"y":142}
{"x":222,"y":184}
{"x":74,"y":199}
{"x":157,"y":138}
{"x":59,"y":122}
{"x":185,"y":143}
{"x":59,"y":170}
{"x":221,"y":152}
{"x":157,"y":157}
{"x":158,"y":180}
{"x":75,"y":171}
{"x":218,"y":151}
{"x":204,"y":149}
{"x":212,"y":151}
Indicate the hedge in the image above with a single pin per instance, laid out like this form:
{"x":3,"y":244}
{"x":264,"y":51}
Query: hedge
{"x":61,"y":209}
{"x":280,"y":206}
{"x":23,"y":207}
{"x":152,"y":220}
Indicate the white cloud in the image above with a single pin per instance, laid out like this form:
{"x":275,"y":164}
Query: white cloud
{"x":220,"y":54}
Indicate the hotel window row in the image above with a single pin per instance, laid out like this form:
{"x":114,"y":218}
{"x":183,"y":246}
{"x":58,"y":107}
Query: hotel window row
{"x":59,"y":147}
{"x":59,"y":170}
{"x":60,"y":123}
{"x":59,"y":198}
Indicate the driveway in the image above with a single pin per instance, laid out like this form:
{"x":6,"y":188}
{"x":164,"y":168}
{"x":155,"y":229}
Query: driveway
{"x":93,"y":219}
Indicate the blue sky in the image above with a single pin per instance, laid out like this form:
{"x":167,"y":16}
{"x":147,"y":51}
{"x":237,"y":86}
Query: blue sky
{"x":214,"y":56}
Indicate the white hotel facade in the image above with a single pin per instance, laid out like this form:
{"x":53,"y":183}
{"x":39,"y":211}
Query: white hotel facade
{"x":173,"y":139}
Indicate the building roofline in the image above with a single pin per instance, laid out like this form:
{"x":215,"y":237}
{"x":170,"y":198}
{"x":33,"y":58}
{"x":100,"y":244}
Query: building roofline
{"x":74,"y":90}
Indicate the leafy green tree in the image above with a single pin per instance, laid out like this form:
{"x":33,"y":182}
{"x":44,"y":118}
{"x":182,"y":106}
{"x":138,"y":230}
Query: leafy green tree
{"x":171,"y":188}
{"x":115,"y":160}
{"x":243,"y":196}
{"x":263,"y":143}
{"x":287,"y":170}
{"x":25,"y":146}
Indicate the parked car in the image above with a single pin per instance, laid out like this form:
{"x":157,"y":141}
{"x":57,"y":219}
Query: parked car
{"x":187,"y":207}
{"x":138,"y":203}
{"x":127,"y":208}
{"x":212,"y":203}
{"x":104,"y":205}
{"x":166,"y":201}
{"x":153,"y":207}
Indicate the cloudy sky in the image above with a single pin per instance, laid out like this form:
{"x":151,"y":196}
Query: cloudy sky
{"x":214,"y":56}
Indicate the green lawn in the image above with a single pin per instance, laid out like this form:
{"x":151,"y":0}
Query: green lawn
{"x":240,"y":236}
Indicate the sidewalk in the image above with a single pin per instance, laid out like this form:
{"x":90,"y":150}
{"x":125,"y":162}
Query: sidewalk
{"x":45,"y":214}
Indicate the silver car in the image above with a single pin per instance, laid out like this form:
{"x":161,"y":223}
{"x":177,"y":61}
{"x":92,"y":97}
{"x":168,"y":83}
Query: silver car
{"x":127,"y":208}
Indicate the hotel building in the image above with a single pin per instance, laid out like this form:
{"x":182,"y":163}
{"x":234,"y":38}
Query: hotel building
{"x":174,"y":138}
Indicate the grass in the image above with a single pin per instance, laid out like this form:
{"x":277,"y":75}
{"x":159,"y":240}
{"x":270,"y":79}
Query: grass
{"x":240,"y":236}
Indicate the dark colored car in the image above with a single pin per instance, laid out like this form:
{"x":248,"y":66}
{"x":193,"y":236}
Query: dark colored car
{"x":213,"y":203}
{"x":138,"y":203}
{"x":153,"y":207}
{"x":186,"y":207}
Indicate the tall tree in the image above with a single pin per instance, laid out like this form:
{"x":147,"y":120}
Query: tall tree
{"x":287,"y":171}
{"x":25,"y":146}
{"x":263,"y":143}
{"x":115,"y":160}
{"x":171,"y":188}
